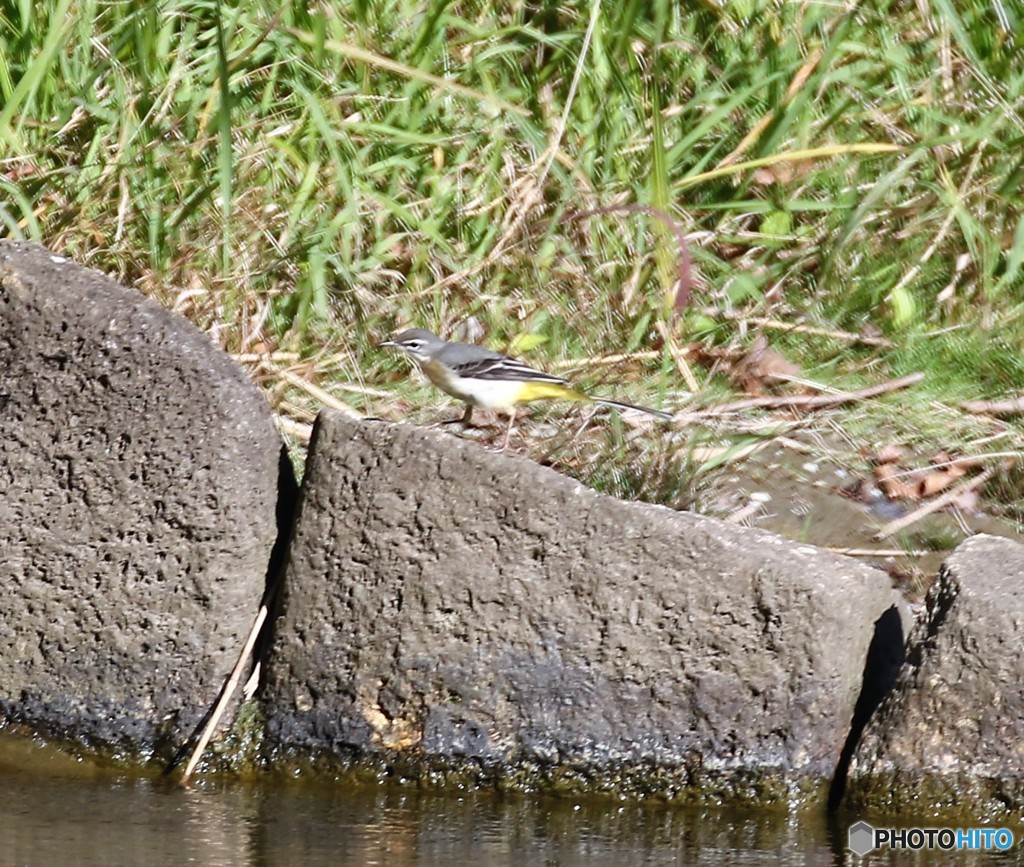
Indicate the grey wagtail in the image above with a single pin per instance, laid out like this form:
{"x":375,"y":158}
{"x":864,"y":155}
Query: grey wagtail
{"x":490,"y":380}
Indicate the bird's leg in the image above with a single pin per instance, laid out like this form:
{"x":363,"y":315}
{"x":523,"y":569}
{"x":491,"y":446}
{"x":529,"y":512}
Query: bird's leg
{"x":508,"y":430}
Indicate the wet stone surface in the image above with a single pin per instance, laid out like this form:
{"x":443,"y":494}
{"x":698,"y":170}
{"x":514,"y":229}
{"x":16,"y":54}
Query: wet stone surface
{"x":951,"y":733}
{"x":446,"y":607}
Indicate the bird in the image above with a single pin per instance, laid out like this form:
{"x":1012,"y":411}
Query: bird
{"x":481,"y":377}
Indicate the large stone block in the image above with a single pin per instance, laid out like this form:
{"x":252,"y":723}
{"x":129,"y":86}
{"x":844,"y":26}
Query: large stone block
{"x":140,"y":474}
{"x":446,"y":607}
{"x":949,"y":738}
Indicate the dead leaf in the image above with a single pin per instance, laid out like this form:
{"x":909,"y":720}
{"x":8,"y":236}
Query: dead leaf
{"x":893,"y":485}
{"x":19,"y":172}
{"x":935,"y":481}
{"x":762,"y":368}
{"x":729,"y":251}
{"x":782,"y":172}
{"x":763,"y":176}
{"x":890,"y":454}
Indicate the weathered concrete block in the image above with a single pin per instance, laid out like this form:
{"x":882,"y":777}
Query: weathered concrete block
{"x":139,"y":482}
{"x":949,"y":738}
{"x":448,"y":607}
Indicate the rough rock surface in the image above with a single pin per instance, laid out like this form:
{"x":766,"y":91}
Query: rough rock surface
{"x":950,"y":735}
{"x":139,"y":485}
{"x":478,"y":615}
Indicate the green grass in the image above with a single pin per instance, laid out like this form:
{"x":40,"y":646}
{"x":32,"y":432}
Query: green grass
{"x":310,"y":177}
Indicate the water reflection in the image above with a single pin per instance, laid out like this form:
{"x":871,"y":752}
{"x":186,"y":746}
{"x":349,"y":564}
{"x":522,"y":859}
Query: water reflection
{"x":89,"y":819}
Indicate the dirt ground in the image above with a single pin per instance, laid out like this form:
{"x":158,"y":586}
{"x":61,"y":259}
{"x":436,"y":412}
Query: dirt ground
{"x":805,"y":496}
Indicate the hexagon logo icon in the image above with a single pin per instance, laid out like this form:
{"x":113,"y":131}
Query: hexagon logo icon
{"x":862,"y":838}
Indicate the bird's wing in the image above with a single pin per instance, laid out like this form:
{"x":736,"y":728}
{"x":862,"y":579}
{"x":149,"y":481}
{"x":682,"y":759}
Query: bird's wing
{"x":506,"y":369}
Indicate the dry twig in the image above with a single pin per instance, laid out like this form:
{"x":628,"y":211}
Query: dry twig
{"x":934,"y":506}
{"x":303,"y":433}
{"x":679,"y":357}
{"x":226,"y":693}
{"x":747,"y":511}
{"x":879,"y":552}
{"x":779,"y":325}
{"x":325,"y":397}
{"x":1014,"y":406}
{"x":594,"y":360}
{"x":795,"y":84}
{"x":811,"y":401}
{"x":263,"y":357}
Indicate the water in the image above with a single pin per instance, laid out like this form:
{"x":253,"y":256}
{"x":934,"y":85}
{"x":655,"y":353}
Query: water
{"x":97,"y":819}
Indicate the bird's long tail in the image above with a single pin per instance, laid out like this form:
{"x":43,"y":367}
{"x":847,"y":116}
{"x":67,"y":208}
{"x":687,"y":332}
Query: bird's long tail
{"x":623,"y":405}
{"x":540,"y":390}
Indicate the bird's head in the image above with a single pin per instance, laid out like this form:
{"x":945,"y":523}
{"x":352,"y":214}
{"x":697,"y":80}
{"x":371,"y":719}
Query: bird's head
{"x":417,"y":342}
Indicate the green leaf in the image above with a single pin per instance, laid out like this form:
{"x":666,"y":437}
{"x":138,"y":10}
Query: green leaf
{"x":743,"y":287}
{"x":523,"y":343}
{"x":904,"y":308}
{"x":1014,"y":258}
{"x":777,"y":223}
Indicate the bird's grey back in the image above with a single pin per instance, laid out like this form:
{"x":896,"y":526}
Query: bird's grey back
{"x":459,"y":354}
